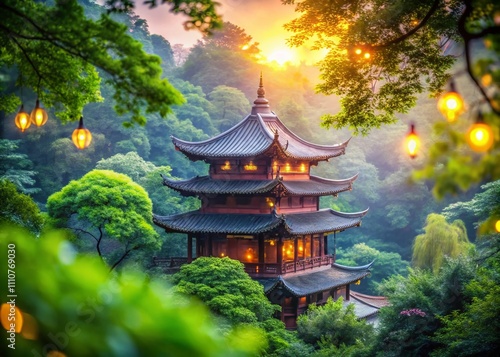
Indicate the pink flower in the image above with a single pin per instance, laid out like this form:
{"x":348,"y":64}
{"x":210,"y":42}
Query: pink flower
{"x":410,"y":312}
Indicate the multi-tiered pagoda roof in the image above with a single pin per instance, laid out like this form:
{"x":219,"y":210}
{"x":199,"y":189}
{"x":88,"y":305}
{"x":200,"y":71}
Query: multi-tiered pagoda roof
{"x":260,"y":205}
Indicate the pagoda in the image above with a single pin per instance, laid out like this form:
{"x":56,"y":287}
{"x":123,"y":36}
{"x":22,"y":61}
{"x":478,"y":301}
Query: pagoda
{"x":260,"y":205}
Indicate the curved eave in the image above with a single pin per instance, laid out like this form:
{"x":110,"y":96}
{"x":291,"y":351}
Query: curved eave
{"x":354,"y":268}
{"x":197,"y":222}
{"x":318,"y":186}
{"x":206,"y":185}
{"x":317,"y":281}
{"x":248,"y":138}
{"x":297,"y":148}
{"x":322,"y":221}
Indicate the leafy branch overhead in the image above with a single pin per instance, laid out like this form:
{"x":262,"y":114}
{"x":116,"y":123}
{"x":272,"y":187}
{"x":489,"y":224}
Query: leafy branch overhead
{"x":62,"y":60}
{"x":382,"y":54}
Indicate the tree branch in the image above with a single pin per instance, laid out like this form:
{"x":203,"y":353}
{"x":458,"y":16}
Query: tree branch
{"x":422,"y":23}
{"x":468,"y":37}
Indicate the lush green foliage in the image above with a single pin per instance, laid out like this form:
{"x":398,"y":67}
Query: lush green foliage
{"x":223,"y":285}
{"x":373,"y":90}
{"x":72,"y":304}
{"x":78,"y":46}
{"x":408,"y":325}
{"x":16,"y":167}
{"x":334,"y":327}
{"x":18,"y":208}
{"x":441,"y":239}
{"x":385,"y":265}
{"x":109,"y":209}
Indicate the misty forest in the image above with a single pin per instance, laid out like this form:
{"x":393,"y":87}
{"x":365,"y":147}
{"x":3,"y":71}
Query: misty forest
{"x":86,"y":271}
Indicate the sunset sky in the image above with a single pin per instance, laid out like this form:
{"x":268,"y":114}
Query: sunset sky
{"x":261,"y":19}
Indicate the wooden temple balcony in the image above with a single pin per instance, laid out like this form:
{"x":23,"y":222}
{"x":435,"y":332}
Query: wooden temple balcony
{"x":270,"y":269}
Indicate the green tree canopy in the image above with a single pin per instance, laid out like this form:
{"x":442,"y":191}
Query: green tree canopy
{"x":439,"y":240}
{"x":16,"y":167}
{"x":223,"y":285}
{"x":111,"y":210}
{"x":334,"y":327}
{"x":385,"y":264}
{"x":18,"y":208}
{"x":230,"y":106}
{"x":60,"y":59}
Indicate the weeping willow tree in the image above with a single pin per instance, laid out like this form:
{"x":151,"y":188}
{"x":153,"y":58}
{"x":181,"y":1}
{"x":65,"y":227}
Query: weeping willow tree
{"x":439,"y":240}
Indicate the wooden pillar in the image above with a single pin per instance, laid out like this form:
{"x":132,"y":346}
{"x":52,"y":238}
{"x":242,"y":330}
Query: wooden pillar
{"x":326,"y":244}
{"x":190,"y":248}
{"x":312,"y":246}
{"x":279,"y":247}
{"x":321,"y":241}
{"x":261,"y":248}
{"x":295,"y":251}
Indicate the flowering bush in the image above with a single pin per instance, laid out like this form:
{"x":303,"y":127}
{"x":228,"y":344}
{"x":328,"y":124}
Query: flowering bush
{"x":411,"y":312}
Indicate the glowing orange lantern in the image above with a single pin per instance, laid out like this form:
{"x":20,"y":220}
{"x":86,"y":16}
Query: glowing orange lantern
{"x":412,"y":142}
{"x":38,"y":115}
{"x":451,"y":104}
{"x":22,"y":119}
{"x":480,"y":136}
{"x":81,"y":137}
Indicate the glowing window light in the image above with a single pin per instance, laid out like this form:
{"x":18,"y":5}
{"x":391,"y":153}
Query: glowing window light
{"x":226,"y":166}
{"x":250,"y":166}
{"x":303,"y":167}
{"x":287,"y":167}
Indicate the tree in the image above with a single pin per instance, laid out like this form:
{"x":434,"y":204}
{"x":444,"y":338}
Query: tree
{"x":230,"y":106}
{"x":439,"y":240}
{"x":409,"y":323}
{"x":382,"y":54}
{"x":16,"y":167}
{"x":334,"y":327}
{"x":59,"y":59}
{"x":110,"y":209}
{"x":223,"y":285}
{"x":18,"y":208}
{"x":385,"y":264}
{"x":71,"y":306}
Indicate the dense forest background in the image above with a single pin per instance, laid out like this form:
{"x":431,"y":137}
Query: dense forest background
{"x":218,"y":78}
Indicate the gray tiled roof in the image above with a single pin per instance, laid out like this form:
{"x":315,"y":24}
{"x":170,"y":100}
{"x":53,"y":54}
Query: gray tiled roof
{"x":198,"y":222}
{"x":326,"y":220}
{"x":253,"y":136}
{"x":316,"y":186}
{"x":317,"y":280}
{"x":296,"y":224}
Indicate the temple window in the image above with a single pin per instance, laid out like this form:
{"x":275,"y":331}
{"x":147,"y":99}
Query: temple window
{"x":250,"y":166}
{"x":307,"y":248}
{"x":316,"y":252}
{"x":300,"y":253}
{"x":288,"y":250}
{"x":270,"y":252}
{"x":226,"y":166}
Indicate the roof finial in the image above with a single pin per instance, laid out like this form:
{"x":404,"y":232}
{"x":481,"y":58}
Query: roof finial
{"x":261,"y":104}
{"x":261,"y":91}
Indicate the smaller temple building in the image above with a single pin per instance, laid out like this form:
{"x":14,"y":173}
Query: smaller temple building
{"x":260,"y":205}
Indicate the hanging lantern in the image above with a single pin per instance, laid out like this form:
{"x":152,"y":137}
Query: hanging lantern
{"x":497,"y":226}
{"x":451,"y":104}
{"x":38,"y":114}
{"x":81,"y":137}
{"x":22,"y":119}
{"x":412,"y":142}
{"x":480,"y":136}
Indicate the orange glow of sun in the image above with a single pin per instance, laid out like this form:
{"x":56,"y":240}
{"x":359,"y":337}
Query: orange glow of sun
{"x":283,"y":56}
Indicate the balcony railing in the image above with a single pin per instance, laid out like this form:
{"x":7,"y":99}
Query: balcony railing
{"x":268,"y":269}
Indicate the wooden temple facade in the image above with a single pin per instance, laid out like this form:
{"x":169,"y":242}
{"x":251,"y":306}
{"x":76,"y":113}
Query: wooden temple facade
{"x":260,"y":205}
